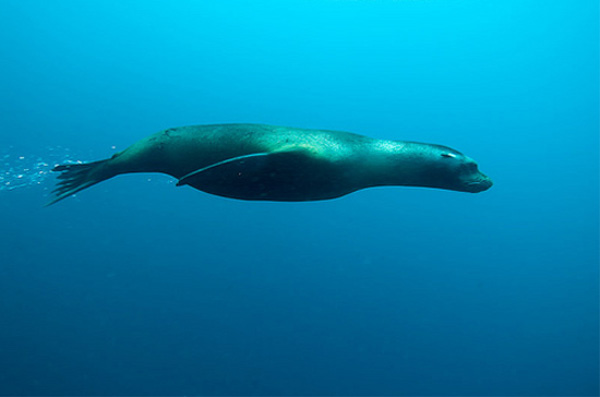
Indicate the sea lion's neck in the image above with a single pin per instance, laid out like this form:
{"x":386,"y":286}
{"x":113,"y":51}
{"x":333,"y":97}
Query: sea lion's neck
{"x":395,"y":163}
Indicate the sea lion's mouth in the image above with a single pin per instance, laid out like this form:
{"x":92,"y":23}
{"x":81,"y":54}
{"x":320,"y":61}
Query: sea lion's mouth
{"x":479,"y":185}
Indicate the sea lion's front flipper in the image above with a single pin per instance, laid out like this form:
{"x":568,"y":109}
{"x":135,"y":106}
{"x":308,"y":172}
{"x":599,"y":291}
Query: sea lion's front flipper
{"x":280,"y":176}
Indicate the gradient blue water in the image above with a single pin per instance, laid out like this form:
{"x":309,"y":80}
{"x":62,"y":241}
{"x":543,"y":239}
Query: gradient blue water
{"x":137,"y":287}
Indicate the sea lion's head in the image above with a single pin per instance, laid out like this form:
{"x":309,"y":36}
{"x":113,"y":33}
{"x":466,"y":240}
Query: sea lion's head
{"x":446,"y":168}
{"x":440,"y":167}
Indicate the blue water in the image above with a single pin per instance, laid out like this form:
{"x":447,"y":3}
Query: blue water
{"x":137,"y":287}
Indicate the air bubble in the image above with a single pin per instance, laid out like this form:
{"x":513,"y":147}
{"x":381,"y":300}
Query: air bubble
{"x":20,"y":170}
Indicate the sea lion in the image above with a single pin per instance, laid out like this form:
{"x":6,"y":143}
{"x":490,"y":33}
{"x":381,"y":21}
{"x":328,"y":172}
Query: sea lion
{"x":264,"y":162}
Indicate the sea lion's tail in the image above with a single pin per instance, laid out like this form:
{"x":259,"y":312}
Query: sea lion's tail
{"x":76,"y":177}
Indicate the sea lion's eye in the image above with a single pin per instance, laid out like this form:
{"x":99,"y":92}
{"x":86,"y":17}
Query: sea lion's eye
{"x":448,"y":155}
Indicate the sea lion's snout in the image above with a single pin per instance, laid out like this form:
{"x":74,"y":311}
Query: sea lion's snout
{"x":486,"y":183}
{"x":478,"y":184}
{"x":473,"y":180}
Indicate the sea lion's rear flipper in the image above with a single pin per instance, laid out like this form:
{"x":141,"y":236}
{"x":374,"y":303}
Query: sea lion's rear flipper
{"x":76,"y":177}
{"x":283,"y":176}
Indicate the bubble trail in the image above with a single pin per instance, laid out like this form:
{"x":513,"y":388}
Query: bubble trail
{"x":21,"y":170}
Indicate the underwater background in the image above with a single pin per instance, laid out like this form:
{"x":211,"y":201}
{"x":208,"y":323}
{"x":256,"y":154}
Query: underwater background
{"x":136,"y":287}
